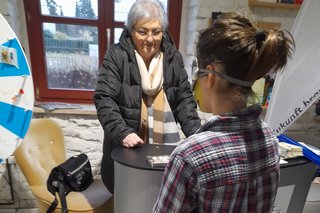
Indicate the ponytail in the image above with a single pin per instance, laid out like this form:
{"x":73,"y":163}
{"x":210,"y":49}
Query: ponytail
{"x":273,"y":48}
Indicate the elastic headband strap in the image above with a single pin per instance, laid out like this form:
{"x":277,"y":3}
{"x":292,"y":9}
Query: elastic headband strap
{"x":229,"y":79}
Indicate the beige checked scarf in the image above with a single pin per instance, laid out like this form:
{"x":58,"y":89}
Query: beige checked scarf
{"x":157,"y":122}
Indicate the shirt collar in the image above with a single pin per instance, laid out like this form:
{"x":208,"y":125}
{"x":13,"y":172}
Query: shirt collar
{"x":236,"y":120}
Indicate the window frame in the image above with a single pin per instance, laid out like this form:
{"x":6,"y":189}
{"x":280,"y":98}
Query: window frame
{"x":35,"y":19}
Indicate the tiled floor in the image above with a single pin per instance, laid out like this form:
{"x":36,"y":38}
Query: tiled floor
{"x":312,"y":204}
{"x":312,"y":207}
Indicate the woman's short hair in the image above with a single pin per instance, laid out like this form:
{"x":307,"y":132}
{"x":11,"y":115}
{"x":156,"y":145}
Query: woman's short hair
{"x":148,"y":9}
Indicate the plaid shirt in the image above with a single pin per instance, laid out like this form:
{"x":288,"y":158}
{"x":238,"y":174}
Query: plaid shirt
{"x":230,"y":165}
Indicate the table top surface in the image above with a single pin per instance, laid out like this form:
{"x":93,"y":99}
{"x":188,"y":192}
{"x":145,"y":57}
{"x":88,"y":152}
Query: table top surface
{"x":137,"y":157}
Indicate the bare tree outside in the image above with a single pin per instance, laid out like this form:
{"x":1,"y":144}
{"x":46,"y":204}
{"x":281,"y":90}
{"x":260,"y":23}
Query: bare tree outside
{"x":71,"y":50}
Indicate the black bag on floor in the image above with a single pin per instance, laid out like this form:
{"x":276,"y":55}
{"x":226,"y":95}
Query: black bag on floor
{"x":73,"y":175}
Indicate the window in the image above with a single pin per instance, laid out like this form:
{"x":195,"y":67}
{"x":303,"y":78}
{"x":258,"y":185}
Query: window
{"x":68,"y":40}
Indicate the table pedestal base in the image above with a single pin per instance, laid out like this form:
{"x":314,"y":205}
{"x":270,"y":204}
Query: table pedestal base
{"x":136,"y":190}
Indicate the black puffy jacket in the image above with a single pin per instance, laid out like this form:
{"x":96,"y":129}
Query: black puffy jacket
{"x":118,"y":96}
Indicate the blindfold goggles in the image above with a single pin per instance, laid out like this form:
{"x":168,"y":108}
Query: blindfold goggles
{"x":198,"y":73}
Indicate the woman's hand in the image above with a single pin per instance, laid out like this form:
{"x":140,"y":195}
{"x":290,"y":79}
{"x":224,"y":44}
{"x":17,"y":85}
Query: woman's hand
{"x":132,"y":140}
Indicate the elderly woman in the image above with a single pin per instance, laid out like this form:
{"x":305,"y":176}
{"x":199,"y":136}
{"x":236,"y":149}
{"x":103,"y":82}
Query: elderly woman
{"x":143,"y":88}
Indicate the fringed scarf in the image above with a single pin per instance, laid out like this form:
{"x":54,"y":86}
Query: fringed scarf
{"x":157,"y":122}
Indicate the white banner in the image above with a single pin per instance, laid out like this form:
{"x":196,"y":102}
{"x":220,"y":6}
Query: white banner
{"x":298,"y":86}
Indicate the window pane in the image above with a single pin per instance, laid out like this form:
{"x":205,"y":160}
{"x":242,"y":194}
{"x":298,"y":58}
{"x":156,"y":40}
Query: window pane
{"x":71,"y":56}
{"x":117,"y":34}
{"x":87,"y":9}
{"x":122,"y":7}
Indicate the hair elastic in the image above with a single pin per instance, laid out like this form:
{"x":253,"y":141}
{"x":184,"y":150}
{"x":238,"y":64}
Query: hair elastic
{"x":260,"y":36}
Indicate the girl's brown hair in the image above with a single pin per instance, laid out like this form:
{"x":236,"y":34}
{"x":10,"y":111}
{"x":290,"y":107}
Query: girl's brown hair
{"x":247,"y":53}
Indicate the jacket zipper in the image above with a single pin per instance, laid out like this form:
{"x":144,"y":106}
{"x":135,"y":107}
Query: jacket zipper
{"x":77,"y":169}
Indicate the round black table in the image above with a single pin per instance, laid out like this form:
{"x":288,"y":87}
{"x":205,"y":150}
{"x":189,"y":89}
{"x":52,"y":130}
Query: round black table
{"x":137,"y":183}
{"x":136,"y":157}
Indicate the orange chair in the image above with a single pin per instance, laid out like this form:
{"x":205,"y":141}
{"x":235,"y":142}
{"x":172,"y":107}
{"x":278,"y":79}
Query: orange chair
{"x":42,"y":149}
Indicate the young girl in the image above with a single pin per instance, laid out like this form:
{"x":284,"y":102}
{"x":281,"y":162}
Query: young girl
{"x":231,"y":164}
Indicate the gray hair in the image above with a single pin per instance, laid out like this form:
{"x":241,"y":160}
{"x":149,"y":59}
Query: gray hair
{"x":148,"y":9}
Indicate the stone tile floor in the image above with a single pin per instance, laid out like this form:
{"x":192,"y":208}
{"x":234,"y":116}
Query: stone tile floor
{"x":312,"y":204}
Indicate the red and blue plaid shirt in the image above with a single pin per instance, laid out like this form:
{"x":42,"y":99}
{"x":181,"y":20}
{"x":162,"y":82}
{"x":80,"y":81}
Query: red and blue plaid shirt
{"x":230,"y":165}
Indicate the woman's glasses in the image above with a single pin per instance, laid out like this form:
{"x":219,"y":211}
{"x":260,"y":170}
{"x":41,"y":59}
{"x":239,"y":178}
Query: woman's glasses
{"x":143,"y":33}
{"x":199,"y":73}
